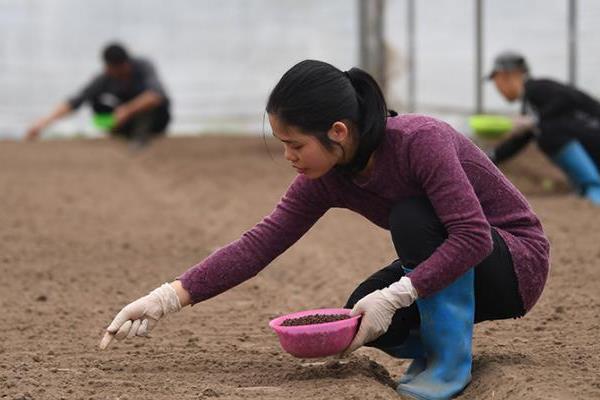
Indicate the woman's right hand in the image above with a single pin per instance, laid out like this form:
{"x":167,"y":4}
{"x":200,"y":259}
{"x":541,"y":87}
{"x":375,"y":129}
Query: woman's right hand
{"x":141,"y":316}
{"x":378,"y":309}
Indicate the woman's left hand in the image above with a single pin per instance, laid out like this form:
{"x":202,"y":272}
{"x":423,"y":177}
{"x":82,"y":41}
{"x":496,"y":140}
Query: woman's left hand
{"x":378,"y":308}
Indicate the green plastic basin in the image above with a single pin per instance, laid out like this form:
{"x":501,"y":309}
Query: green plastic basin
{"x":490,"y":126}
{"x":104,"y":121}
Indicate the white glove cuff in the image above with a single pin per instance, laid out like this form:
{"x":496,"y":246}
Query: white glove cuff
{"x":167,"y":298}
{"x":400,"y":294}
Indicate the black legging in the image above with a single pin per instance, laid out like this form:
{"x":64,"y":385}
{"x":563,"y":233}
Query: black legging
{"x":552,"y":135}
{"x":146,"y":124}
{"x":416,"y":233}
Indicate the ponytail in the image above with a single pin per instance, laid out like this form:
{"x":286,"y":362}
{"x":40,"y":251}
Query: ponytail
{"x":372,"y":118}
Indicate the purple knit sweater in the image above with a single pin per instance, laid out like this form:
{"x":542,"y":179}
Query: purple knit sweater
{"x":419,"y":156}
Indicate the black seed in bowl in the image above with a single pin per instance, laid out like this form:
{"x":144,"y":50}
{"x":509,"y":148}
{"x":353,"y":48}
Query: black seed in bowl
{"x":314,"y":319}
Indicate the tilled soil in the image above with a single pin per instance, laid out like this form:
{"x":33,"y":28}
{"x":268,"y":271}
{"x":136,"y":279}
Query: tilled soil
{"x":87,"y":226}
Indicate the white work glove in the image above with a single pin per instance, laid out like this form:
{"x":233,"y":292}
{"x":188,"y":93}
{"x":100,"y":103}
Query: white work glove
{"x":140,"y":317}
{"x":378,"y":308}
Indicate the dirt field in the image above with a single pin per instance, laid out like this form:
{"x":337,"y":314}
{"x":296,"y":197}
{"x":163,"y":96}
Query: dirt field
{"x":86,"y":227}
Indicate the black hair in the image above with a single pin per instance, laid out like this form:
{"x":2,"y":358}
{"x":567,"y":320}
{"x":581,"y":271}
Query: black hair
{"x":312,"y":95}
{"x":115,"y":54}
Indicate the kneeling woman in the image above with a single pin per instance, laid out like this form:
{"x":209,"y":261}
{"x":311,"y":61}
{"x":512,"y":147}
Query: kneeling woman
{"x":469,"y":246}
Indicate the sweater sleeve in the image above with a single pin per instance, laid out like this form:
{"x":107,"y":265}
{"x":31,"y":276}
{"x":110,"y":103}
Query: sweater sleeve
{"x":301,"y":206}
{"x":91,"y":89}
{"x":511,"y":146}
{"x":434,"y":163}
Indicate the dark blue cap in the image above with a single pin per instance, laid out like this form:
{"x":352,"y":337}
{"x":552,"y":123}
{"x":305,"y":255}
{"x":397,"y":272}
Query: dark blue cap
{"x":508,"y":61}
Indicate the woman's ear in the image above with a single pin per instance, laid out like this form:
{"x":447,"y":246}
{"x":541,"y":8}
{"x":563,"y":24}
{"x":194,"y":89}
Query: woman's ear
{"x":339,"y":132}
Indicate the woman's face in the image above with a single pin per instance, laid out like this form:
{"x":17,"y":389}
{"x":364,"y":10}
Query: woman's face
{"x":305,"y":152}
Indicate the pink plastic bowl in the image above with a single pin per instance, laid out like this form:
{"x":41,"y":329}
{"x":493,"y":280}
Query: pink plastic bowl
{"x":316,"y":340}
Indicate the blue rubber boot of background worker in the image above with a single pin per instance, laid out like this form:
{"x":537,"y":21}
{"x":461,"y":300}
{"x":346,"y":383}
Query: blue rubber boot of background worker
{"x":412,"y":348}
{"x":575,"y":161}
{"x":446,"y":331}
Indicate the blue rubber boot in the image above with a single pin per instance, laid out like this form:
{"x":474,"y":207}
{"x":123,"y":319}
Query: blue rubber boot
{"x":447,"y":319}
{"x":575,"y":161}
{"x":417,"y":366}
{"x":412,"y":348}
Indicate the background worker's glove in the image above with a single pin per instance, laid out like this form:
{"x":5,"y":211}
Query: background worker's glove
{"x":522,"y":123}
{"x":140,"y":317}
{"x":378,"y":308}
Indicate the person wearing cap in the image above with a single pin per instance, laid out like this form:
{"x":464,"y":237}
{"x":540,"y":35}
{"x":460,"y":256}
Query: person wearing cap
{"x":564,"y":121}
{"x":128,"y":90}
